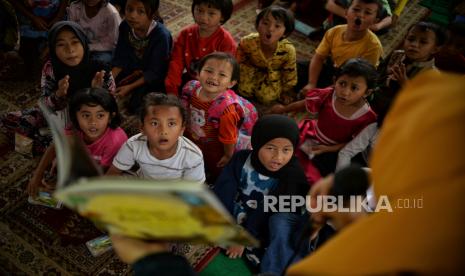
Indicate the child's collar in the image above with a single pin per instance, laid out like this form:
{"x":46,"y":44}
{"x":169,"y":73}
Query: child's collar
{"x":152,"y":26}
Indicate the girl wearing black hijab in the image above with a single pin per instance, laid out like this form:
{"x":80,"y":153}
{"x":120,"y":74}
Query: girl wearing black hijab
{"x":269,"y":169}
{"x":69,"y":67}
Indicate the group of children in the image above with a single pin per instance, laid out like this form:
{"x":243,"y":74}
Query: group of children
{"x":199,"y":129}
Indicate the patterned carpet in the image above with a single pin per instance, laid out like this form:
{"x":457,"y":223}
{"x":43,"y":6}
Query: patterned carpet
{"x":35,"y":240}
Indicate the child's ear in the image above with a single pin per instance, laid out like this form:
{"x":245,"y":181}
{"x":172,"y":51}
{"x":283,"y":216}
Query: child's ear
{"x":233,"y":82}
{"x":183,"y":128}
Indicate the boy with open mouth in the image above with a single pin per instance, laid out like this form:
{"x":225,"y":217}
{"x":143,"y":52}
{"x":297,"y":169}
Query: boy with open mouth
{"x":341,"y":43}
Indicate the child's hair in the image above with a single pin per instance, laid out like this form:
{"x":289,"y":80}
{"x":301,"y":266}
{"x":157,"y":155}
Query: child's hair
{"x":359,"y":67}
{"x":280,"y":14}
{"x":94,"y":97}
{"x":350,"y":181}
{"x":225,"y":6}
{"x":377,"y":2}
{"x":153,"y":99}
{"x":222,"y":56}
{"x":439,"y":32}
{"x":151,"y":6}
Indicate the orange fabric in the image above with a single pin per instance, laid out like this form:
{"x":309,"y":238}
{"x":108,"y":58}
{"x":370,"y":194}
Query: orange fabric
{"x":228,"y":126}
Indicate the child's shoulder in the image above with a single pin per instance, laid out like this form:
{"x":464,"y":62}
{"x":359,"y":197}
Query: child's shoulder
{"x":190,"y":148}
{"x":160,"y":31}
{"x":118,"y":133}
{"x":225,"y":33}
{"x":285,"y":45}
{"x":110,"y":8}
{"x":250,"y":37}
{"x":137,"y":138}
{"x":373,"y":38}
{"x":124,"y":27}
{"x":320,"y":93}
{"x":190,"y":30}
{"x":189,"y":88}
{"x":338,"y":29}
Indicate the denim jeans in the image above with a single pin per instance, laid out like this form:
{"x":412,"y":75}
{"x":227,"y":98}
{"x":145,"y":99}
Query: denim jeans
{"x":283,"y":247}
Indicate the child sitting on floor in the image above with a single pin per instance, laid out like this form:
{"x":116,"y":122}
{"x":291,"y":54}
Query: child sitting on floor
{"x":338,"y":9}
{"x":199,"y":39}
{"x":269,"y":169}
{"x":341,"y":43}
{"x":160,"y":150}
{"x":95,"y":119}
{"x":36,"y":18}
{"x":142,"y":53}
{"x":423,"y":41}
{"x":220,"y":121}
{"x":302,"y":234}
{"x":70,"y":68}
{"x":100,"y":20}
{"x":267,"y":59}
{"x":342,"y":113}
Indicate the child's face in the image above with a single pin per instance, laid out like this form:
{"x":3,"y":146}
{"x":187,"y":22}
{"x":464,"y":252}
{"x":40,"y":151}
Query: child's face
{"x":68,"y":48}
{"x":92,"y":3}
{"x":276,"y":153}
{"x":360,"y":15}
{"x":270,"y":30}
{"x":208,"y":18}
{"x":136,"y":16}
{"x":163,"y":125}
{"x":350,"y":90}
{"x":215,"y":76}
{"x":420,"y":45}
{"x":93,"y":121}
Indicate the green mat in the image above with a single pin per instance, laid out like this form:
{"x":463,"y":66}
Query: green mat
{"x":222,"y":265}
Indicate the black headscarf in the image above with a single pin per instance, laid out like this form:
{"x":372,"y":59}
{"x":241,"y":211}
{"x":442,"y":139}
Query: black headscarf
{"x":81,"y":75}
{"x":292,"y":180}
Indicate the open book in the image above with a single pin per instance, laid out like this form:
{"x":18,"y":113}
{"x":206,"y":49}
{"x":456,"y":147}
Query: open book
{"x":148,"y":209}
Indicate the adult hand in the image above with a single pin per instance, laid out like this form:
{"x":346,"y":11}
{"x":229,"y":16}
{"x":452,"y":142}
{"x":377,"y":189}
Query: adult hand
{"x":130,"y":250}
